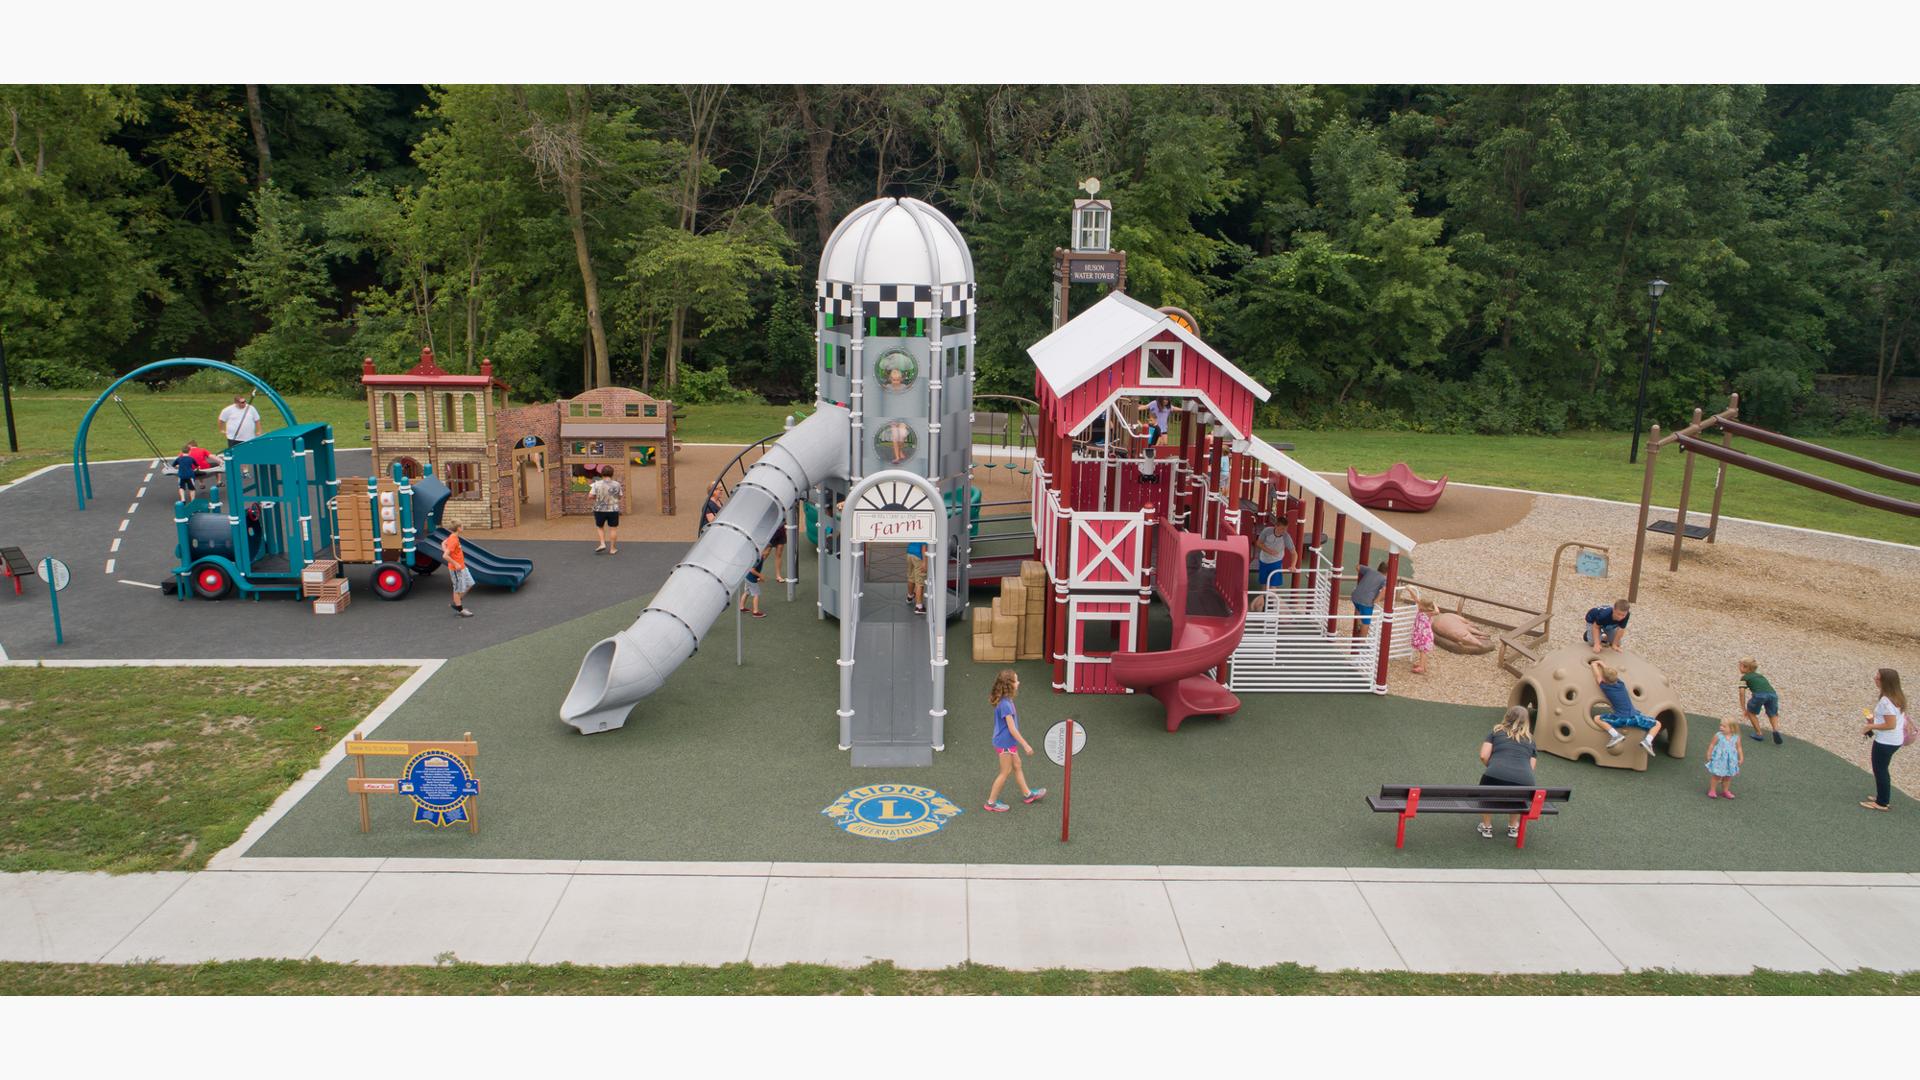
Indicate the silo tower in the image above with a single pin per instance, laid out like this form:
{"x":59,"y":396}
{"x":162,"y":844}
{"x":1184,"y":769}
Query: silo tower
{"x":895,"y":331}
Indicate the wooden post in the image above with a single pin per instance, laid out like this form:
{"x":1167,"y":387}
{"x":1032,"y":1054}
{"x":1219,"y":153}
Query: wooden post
{"x":1680,"y":517}
{"x":473,"y":801}
{"x":1646,"y":501}
{"x":1719,"y":488}
{"x":360,"y":771}
{"x":1383,"y":617}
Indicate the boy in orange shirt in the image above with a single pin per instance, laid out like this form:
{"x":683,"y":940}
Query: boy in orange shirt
{"x":456,"y":559}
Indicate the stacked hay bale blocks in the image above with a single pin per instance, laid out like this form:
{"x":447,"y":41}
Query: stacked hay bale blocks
{"x":1013,"y":627}
{"x":321,"y":582}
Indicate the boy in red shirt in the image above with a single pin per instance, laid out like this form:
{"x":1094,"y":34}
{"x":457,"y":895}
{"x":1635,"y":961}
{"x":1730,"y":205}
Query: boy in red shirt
{"x":456,"y":560}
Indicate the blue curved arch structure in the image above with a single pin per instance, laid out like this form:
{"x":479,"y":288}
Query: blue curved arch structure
{"x":83,"y":477}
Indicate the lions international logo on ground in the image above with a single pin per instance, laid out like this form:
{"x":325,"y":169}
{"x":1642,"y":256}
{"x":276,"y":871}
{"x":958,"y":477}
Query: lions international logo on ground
{"x":891,"y":811}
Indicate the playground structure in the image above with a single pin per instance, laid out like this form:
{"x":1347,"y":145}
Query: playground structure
{"x":547,"y":456}
{"x":1395,"y":489}
{"x":281,"y":510}
{"x":82,"y":470}
{"x":878,"y":463}
{"x":1102,"y":497}
{"x":1692,"y":441}
{"x":1560,"y":691}
{"x":426,"y":416}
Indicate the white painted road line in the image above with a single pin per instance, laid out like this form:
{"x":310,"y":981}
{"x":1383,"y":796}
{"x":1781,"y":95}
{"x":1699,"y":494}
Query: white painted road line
{"x":141,"y":494}
{"x":144,"y":585}
{"x":123,"y":525}
{"x":116,"y":544}
{"x":109,"y":566}
{"x":147,"y":479}
{"x":133,"y":507}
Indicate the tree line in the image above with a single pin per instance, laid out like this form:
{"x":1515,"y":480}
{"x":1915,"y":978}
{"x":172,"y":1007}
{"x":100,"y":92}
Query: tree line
{"x":1433,"y":257}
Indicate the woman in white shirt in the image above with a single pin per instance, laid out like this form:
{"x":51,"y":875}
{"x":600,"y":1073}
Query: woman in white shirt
{"x":1888,"y":730}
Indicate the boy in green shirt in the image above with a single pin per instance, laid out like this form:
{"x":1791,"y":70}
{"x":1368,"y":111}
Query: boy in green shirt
{"x":1756,"y":696}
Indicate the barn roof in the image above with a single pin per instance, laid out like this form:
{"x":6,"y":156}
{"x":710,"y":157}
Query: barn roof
{"x":1321,"y":488}
{"x":1110,"y":329}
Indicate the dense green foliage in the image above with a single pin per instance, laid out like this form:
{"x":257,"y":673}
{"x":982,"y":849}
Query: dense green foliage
{"x":1441,"y":258}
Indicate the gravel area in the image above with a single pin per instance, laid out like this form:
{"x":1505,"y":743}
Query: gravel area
{"x":1818,"y":612}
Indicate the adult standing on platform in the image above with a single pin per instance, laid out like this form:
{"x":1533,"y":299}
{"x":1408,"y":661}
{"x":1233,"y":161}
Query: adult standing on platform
{"x":1888,"y":729}
{"x":239,"y":421}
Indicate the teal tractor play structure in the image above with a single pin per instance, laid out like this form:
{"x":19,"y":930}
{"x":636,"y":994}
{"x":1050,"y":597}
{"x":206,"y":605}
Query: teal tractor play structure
{"x":278,"y":511}
{"x":272,"y":509}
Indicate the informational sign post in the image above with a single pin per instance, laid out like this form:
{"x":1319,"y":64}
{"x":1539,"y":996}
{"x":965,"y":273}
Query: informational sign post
{"x":56,"y":575}
{"x":437,"y":778}
{"x":1065,"y":739}
{"x":1590,"y":564}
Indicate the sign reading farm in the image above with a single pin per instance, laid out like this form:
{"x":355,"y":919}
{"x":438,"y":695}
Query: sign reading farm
{"x":892,"y":526}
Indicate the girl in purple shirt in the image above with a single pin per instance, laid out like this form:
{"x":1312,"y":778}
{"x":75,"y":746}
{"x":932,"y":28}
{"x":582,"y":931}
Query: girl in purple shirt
{"x":1008,"y":742}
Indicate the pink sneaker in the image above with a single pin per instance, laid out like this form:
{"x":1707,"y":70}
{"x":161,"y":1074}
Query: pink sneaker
{"x":997,"y":807}
{"x":1711,"y":794}
{"x":1729,"y":794}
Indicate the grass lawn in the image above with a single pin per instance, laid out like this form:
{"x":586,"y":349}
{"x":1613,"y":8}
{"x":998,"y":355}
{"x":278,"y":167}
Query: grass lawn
{"x":1582,"y":463}
{"x":130,"y":769}
{"x":1595,"y":463}
{"x":278,"y":977}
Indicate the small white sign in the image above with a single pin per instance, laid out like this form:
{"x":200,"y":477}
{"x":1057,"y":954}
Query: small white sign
{"x":1056,"y":741}
{"x":60,"y":575}
{"x":892,"y":526}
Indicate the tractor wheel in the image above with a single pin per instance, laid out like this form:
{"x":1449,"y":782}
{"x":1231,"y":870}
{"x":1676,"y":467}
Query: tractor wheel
{"x":212,"y":582}
{"x":392,"y":581}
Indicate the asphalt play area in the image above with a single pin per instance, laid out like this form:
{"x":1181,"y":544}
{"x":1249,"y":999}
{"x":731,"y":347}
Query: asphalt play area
{"x":736,"y":762}
{"x":123,"y":542}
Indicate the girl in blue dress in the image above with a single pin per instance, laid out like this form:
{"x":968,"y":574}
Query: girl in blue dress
{"x":1724,"y":758}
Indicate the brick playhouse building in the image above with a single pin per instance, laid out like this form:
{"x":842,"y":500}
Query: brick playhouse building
{"x":508,"y":465}
{"x":428,"y":415}
{"x":547,"y":455}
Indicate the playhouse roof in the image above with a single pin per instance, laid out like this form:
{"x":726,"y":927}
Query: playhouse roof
{"x":1110,"y":329}
{"x":1323,"y":489}
{"x":426,"y":371}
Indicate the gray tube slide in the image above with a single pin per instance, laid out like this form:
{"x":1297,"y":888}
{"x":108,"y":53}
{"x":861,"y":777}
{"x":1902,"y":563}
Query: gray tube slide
{"x":635,"y":662}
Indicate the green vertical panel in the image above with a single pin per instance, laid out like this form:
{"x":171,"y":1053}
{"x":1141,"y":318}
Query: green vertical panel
{"x":873,"y":326}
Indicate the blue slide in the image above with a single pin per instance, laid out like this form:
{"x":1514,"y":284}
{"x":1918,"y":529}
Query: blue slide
{"x":486,"y":567}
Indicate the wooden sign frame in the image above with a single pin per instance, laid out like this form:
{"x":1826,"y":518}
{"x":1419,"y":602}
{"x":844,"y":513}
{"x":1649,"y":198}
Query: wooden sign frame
{"x":360,"y":748}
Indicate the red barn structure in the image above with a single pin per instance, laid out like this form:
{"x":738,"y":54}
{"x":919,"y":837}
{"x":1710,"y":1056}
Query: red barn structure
{"x":1107,"y":481}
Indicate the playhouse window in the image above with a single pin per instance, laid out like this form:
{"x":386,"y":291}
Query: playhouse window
{"x":449,"y":419}
{"x":653,"y":410}
{"x":594,"y":409}
{"x":1160,"y":364}
{"x":411,"y":409}
{"x":470,"y":413}
{"x":576,"y":409}
{"x":389,"y":412}
{"x":463,"y":478}
{"x":633,"y":409}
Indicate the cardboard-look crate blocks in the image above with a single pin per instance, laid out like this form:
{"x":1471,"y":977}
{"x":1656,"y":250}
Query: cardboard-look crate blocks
{"x":1012,"y":627}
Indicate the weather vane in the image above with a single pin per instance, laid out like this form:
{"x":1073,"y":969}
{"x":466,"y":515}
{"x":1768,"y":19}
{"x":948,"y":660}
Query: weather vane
{"x":1091,"y":185}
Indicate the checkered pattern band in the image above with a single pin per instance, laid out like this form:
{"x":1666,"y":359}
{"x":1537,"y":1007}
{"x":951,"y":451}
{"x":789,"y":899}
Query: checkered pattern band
{"x":834,"y":298}
{"x":837,"y":298}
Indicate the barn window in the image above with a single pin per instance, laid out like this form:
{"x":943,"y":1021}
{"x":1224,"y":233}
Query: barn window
{"x":1160,"y":364}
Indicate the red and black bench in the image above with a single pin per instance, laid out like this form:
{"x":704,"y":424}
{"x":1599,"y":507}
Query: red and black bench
{"x":14,"y":565}
{"x":1411,"y":800}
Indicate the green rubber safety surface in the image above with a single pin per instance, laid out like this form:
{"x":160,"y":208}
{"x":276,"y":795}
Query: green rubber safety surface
{"x":736,"y":763}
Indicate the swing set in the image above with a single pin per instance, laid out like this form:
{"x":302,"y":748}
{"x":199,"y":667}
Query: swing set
{"x":1692,"y":441}
{"x":82,"y":473}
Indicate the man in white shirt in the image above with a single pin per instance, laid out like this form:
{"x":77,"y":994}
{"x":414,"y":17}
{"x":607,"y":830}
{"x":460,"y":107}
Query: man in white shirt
{"x":240,"y":421}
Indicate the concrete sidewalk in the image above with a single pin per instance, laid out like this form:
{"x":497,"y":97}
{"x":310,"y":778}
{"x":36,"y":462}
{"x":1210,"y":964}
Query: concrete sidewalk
{"x":411,"y":911}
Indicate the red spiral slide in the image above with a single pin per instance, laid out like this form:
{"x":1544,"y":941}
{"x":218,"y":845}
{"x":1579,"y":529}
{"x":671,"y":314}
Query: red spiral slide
{"x":1209,"y":608}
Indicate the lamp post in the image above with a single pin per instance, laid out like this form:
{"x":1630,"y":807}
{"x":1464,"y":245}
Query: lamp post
{"x":1654,"y":289}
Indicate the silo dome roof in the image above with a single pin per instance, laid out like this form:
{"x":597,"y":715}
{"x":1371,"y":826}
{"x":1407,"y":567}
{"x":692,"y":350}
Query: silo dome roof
{"x":896,"y":242}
